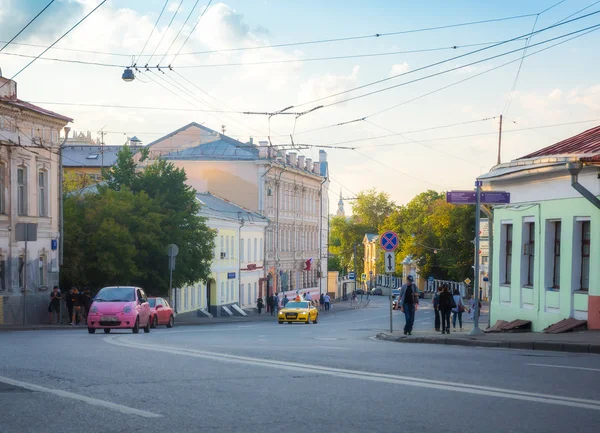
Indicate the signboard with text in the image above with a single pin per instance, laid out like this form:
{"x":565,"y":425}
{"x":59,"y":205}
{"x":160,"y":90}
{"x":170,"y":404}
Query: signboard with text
{"x":469,"y":197}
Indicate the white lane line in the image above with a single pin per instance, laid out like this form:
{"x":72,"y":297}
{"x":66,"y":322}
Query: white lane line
{"x":363,"y":375}
{"x":326,"y":338}
{"x":565,"y":366}
{"x":89,"y":400}
{"x":332,"y":348}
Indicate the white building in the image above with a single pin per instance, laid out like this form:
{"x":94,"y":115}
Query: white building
{"x":287,"y":188}
{"x":29,"y":193}
{"x":238,"y":261}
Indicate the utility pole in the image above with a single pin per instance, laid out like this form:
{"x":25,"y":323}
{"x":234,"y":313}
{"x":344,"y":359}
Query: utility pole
{"x":476,"y":330}
{"x":60,"y":192}
{"x":355,"y":269}
{"x":500,"y":142}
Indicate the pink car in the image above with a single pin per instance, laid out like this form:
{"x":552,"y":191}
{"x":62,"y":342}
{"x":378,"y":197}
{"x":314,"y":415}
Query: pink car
{"x":119,"y":308}
{"x":161,"y":312}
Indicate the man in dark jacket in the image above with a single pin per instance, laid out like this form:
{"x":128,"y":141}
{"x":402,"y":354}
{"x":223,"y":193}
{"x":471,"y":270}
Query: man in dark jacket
{"x":409,"y":301}
{"x":446,"y":302}
{"x":436,"y":308}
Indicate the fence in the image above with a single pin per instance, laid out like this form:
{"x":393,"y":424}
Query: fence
{"x":433,"y":285}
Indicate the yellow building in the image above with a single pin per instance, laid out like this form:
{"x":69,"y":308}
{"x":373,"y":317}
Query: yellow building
{"x":372,"y":249}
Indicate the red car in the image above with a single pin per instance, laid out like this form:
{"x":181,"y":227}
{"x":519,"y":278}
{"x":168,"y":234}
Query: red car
{"x":161,"y":312}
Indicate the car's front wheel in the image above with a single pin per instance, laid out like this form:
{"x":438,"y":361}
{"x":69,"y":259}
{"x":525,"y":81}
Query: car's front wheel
{"x":147,"y":327}
{"x":316,"y":319}
{"x":171,"y":322}
{"x":281,"y":322}
{"x":136,"y":327}
{"x":155,"y":322}
{"x":106,"y":330}
{"x":91,"y":330}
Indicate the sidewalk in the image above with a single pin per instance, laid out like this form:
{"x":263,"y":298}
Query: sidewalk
{"x":579,"y":342}
{"x":190,"y":320}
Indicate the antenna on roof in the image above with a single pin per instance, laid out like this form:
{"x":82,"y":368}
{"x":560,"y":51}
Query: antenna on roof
{"x":223,"y":128}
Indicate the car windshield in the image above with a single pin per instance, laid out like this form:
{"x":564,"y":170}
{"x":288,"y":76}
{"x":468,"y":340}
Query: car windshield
{"x":116,"y":294}
{"x":296,"y":305}
{"x":395,"y":292}
{"x":152,"y":302}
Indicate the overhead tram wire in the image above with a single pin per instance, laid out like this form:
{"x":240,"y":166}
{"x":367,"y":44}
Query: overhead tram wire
{"x":443,"y":61}
{"x":165,"y":33}
{"x":191,"y":32}
{"x":580,"y":10}
{"x":179,"y":32}
{"x":151,"y":33}
{"x":57,"y":41}
{"x":27,"y":25}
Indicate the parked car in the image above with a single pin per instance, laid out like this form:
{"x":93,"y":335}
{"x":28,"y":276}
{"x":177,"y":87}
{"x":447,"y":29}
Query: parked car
{"x":161,"y":312}
{"x":360,"y":292}
{"x":377,"y":291}
{"x":119,"y":308}
{"x":302,"y":312}
{"x":395,"y":294}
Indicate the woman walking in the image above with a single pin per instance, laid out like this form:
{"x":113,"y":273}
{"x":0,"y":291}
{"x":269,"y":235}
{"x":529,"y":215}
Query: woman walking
{"x":445,"y":306}
{"x":260,"y":305}
{"x":458,"y":310}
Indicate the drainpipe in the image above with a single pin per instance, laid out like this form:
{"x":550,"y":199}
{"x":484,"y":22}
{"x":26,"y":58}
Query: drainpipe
{"x":575,"y":168}
{"x":321,"y":235}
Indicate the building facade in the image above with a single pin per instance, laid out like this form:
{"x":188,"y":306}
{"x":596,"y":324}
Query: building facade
{"x":546,"y":242}
{"x":238,"y":261}
{"x":29,"y":193}
{"x":372,"y":251}
{"x":288,"y":189}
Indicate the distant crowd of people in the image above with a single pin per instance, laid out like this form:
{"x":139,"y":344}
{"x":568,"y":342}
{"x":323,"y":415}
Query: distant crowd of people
{"x":77,"y":302}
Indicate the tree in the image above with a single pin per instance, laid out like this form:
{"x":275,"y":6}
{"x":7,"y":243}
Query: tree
{"x":371,"y":208}
{"x":129,"y":224}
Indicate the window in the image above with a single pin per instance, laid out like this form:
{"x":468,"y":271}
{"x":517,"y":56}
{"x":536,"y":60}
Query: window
{"x":222,"y":291}
{"x":242,"y":295}
{"x":42,"y":271}
{"x":222,"y":245}
{"x":2,"y":186}
{"x":507,"y":232}
{"x":255,"y":291}
{"x":249,"y":247}
{"x":242,"y":250}
{"x":227,"y":247}
{"x":249,"y":293}
{"x":556,"y":255}
{"x":185,"y":298}
{"x":584,"y":283}
{"x":529,"y":252}
{"x":22,"y":191}
{"x":2,"y":274}
{"x":42,"y":193}
{"x":260,"y":250}
{"x":193,"y":302}
{"x":92,"y":156}
{"x":255,"y":248}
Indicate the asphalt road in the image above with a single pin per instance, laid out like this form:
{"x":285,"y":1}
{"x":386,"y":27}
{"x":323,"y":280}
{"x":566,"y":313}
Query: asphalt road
{"x":250,"y":377}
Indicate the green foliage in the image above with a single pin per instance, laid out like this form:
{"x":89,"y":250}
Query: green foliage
{"x":120,"y":235}
{"x":371,"y":208}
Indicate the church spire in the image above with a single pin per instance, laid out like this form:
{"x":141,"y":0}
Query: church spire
{"x":340,"y":211}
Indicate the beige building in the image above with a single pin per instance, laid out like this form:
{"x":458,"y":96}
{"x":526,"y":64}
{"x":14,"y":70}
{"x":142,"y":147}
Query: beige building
{"x":288,"y":189}
{"x":372,"y":249}
{"x":29,"y":193}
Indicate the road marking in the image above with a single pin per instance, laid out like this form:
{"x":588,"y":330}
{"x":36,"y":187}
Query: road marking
{"x":326,"y":338}
{"x":565,"y":366}
{"x":331,"y":348}
{"x":363,"y":375}
{"x":89,"y":400}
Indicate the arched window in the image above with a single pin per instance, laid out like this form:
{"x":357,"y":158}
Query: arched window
{"x":43,"y":193}
{"x":241,"y":249}
{"x":3,"y":183}
{"x":22,"y":190}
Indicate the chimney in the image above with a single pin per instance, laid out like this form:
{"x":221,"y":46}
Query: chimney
{"x":301,"y":162}
{"x":8,"y":88}
{"x":322,"y":156}
{"x":308,"y":164}
{"x":251,"y":141}
{"x":263,"y":149}
{"x":316,"y":167}
{"x":292,"y":159}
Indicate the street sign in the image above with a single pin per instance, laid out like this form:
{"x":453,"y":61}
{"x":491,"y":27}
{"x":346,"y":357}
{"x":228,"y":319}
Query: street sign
{"x":468,"y":281}
{"x":431,"y":279}
{"x":484,"y":228}
{"x":390,"y":261}
{"x":389,"y":241}
{"x":470,"y":197}
{"x":486,"y":279}
{"x":26,"y":232}
{"x":364,"y":277}
{"x":230,"y":275}
{"x":172,"y":250}
{"x":350,"y":275}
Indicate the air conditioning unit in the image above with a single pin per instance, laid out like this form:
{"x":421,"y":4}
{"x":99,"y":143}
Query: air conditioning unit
{"x":223,"y":255}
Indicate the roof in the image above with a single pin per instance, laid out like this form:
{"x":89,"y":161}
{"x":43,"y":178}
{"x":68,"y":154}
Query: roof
{"x":19,"y":103}
{"x":371,"y":237}
{"x":183,"y":128}
{"x":214,"y":206}
{"x":585,"y":144}
{"x":224,"y":148}
{"x":91,"y":156}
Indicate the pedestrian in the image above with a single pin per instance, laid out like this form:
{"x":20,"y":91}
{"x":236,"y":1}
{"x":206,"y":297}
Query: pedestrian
{"x":70,"y":304}
{"x":436,"y":308}
{"x":76,"y":299}
{"x":54,"y":305}
{"x":322,"y":301}
{"x":327,"y":300}
{"x":260,"y":305}
{"x":308,"y":297}
{"x":409,"y":301}
{"x":275,"y":304}
{"x":284,"y":301}
{"x":446,"y":305}
{"x":298,"y":298}
{"x":458,"y":310}
{"x":270,"y":304}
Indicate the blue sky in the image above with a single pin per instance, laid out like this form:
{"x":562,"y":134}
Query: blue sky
{"x":557,"y":86}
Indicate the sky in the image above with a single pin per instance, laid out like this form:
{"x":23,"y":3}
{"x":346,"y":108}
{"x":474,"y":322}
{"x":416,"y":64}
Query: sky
{"x":439,"y":132}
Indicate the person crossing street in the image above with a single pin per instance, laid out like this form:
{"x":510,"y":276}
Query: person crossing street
{"x":409,"y":302}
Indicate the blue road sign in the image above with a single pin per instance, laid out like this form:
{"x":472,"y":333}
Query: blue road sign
{"x":389,"y":241}
{"x":431,"y":278}
{"x":350,"y":275}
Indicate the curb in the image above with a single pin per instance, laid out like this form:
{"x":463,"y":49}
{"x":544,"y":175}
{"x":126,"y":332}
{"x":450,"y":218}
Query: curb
{"x":522,"y":345}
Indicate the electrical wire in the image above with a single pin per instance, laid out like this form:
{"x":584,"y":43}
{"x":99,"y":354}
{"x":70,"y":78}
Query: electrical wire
{"x":165,"y":32}
{"x":151,"y":33}
{"x":447,"y":60}
{"x":27,"y":25}
{"x":55,"y":42}
{"x":580,"y":10}
{"x":191,"y":32}
{"x":179,"y":32}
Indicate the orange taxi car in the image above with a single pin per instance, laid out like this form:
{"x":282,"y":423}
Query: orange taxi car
{"x":294,"y":311}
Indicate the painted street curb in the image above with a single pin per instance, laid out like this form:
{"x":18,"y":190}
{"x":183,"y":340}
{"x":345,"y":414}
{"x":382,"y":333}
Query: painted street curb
{"x":473,"y":342}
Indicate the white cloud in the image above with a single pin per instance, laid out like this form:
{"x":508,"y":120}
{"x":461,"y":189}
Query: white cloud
{"x":589,"y":97}
{"x":328,"y":84}
{"x":399,"y":68}
{"x":172,"y":6}
{"x":556,"y":94}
